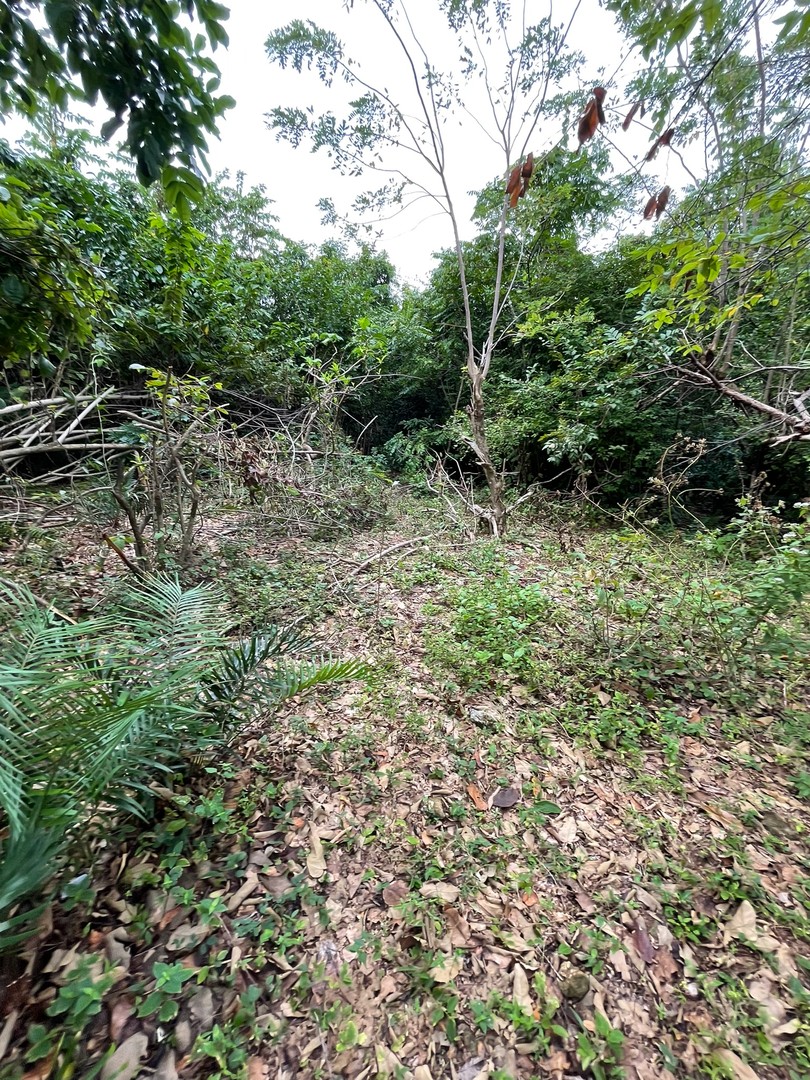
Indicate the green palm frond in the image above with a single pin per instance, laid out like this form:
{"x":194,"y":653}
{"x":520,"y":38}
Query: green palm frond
{"x":293,"y":679}
{"x":160,"y":612}
{"x":89,"y":712}
{"x":26,"y":864}
{"x":238,"y":663}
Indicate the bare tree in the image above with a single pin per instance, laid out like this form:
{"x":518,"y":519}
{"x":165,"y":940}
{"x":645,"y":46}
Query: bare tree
{"x":514,"y":65}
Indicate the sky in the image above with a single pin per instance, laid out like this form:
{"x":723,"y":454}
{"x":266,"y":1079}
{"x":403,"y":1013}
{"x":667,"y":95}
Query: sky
{"x":295,"y":179}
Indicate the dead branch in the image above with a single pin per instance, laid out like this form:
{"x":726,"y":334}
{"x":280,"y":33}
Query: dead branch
{"x":388,"y":551}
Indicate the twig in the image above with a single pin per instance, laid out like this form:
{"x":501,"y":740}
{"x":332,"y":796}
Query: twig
{"x":124,"y":558}
{"x":49,"y":605}
{"x":381,"y":554}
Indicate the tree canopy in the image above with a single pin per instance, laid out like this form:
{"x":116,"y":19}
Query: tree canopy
{"x":153,"y":75}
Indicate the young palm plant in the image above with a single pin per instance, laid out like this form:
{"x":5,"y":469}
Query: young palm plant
{"x":90,"y":712}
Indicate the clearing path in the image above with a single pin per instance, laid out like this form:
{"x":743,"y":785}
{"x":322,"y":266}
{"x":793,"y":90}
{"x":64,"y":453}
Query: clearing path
{"x":560,"y":832}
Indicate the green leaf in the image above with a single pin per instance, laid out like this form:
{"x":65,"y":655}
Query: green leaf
{"x":168,"y":1010}
{"x":13,"y":289}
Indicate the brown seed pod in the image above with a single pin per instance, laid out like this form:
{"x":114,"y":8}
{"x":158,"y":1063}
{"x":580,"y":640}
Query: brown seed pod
{"x":599,"y":93}
{"x":628,"y":120}
{"x":588,"y":122}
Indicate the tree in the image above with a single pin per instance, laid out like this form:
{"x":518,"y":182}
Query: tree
{"x":517,"y":65}
{"x":139,"y":58}
{"x":730,"y":272}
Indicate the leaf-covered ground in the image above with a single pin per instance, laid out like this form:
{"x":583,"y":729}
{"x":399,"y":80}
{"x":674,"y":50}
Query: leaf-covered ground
{"x":561,"y":832}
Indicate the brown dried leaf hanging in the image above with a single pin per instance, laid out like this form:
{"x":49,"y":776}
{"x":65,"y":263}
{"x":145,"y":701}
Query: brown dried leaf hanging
{"x":599,"y":93}
{"x":661,"y":201}
{"x":588,"y":123}
{"x":628,"y":120}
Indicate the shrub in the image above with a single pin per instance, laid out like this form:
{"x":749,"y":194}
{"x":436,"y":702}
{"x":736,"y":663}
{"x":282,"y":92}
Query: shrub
{"x":90,"y":712}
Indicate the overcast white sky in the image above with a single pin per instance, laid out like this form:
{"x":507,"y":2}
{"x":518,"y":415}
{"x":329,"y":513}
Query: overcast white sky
{"x":296,"y":179}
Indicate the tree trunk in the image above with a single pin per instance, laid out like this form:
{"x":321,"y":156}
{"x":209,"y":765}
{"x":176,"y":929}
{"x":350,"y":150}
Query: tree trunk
{"x":497,"y":514}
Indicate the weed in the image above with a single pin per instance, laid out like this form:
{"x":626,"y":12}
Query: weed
{"x":600,"y":1049}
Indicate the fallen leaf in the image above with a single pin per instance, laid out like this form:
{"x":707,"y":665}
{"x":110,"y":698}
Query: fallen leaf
{"x":447,"y":969}
{"x":520,"y":991}
{"x":167,"y":1069}
{"x":666,"y":966}
{"x":458,"y":927}
{"x":792,"y":1027}
{"x":504,"y":798}
{"x":584,"y":901}
{"x":721,"y":816}
{"x":737,"y":1065}
{"x":120,"y":1012}
{"x":648,"y":900}
{"x":475,"y":794}
{"x":641,"y":940}
{"x":125,"y":1063}
{"x":566,"y":830}
{"x":186,"y":938}
{"x":634,"y":1017}
{"x":246,"y":889}
{"x":172,"y":913}
{"x":256,"y":1069}
{"x":558,"y":1062}
{"x":316,"y":863}
{"x":474,"y":1069}
{"x":618,"y":959}
{"x":276,"y":884}
{"x":201,"y":1007}
{"x":395,"y":893}
{"x":388,"y":1064}
{"x":440,"y":890}
{"x":742,"y":925}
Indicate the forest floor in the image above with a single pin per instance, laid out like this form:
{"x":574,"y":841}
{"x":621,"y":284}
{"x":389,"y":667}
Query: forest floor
{"x":561,"y":831}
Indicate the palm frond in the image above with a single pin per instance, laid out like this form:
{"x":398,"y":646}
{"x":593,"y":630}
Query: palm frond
{"x":89,"y":712}
{"x":160,"y":612}
{"x":239,"y":662}
{"x":293,"y":679}
{"x":26,"y":863}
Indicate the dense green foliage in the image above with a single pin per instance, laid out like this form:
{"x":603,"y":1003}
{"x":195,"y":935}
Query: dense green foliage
{"x":97,"y":275}
{"x":149,"y":71}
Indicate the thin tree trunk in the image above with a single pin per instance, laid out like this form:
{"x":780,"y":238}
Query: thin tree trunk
{"x":481,"y":446}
